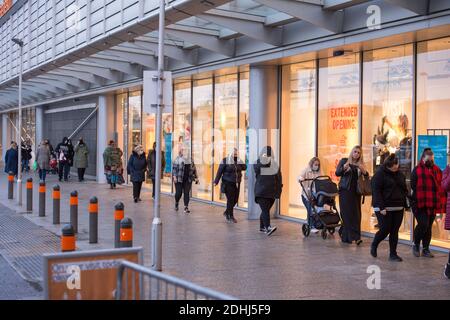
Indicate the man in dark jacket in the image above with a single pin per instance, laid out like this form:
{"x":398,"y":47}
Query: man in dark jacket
{"x":26,"y":155}
{"x":268,"y":187}
{"x":152,"y":166}
{"x":12,"y":159}
{"x":428,"y":199}
{"x":389,"y":194}
{"x":230,"y":171}
{"x":63,"y":154}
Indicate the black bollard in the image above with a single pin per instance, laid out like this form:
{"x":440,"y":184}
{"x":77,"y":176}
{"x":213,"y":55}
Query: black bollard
{"x":74,"y":210}
{"x":30,"y":194}
{"x":56,"y":195}
{"x":42,"y":199}
{"x":93,"y":220}
{"x":126,"y":233}
{"x":67,"y":238}
{"x":10,"y":185}
{"x":118,"y":216}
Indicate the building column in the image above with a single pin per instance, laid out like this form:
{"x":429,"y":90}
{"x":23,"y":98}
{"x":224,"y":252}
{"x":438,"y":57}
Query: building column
{"x":39,"y":126}
{"x":105,"y":131}
{"x":263,"y":125}
{"x":5,"y":143}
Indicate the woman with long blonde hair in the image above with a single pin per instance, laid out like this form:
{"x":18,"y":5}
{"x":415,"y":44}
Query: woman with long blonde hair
{"x":349,"y":169}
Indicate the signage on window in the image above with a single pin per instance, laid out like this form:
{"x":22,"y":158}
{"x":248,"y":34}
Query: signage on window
{"x":5,"y":6}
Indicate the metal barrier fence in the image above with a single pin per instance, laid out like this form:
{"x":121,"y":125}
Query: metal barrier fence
{"x":156,"y":285}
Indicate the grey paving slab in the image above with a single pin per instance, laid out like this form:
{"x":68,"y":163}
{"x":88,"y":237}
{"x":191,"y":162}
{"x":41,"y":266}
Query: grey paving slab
{"x":238,"y":260}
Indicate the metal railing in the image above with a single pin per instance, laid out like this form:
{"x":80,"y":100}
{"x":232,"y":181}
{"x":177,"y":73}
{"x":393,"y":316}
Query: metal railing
{"x":155,"y":285}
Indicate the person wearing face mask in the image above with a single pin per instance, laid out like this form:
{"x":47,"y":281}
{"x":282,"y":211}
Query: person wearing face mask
{"x":311,"y":172}
{"x":446,"y":187}
{"x":428,"y":199}
{"x":230,"y":171}
{"x":81,"y":158}
{"x":63,"y":155}
{"x":389,"y":194}
{"x":184,"y":173}
{"x":349,"y":169}
{"x":137,"y":165}
{"x":268,"y":186}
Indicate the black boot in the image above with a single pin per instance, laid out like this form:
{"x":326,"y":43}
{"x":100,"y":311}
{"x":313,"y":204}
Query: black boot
{"x":373,"y":250}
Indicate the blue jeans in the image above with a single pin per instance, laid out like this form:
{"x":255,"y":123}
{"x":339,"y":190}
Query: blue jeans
{"x":42,"y":174}
{"x":25,"y":165}
{"x":308,"y":209}
{"x":114,"y":177}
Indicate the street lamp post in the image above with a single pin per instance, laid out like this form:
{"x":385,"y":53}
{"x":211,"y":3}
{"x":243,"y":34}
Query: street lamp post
{"x":19,"y":146}
{"x":157,"y":223}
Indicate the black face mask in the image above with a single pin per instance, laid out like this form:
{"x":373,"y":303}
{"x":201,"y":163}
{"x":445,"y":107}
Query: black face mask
{"x":429,"y":163}
{"x":81,"y":142}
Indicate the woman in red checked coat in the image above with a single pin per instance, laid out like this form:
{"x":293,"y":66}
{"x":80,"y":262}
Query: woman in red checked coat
{"x":446,"y":187}
{"x":428,"y":199}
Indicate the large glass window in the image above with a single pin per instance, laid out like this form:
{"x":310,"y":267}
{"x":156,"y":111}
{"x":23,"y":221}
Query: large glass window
{"x":182,"y":118}
{"x":387,"y":113}
{"x":433,"y":110}
{"x":225,"y":123}
{"x":244,"y":123}
{"x":298,"y":114}
{"x":202,"y":137}
{"x":135,"y":103}
{"x":338,"y":110}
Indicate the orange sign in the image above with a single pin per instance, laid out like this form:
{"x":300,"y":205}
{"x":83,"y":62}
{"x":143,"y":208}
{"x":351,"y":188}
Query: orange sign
{"x":5,"y":6}
{"x":89,"y":275}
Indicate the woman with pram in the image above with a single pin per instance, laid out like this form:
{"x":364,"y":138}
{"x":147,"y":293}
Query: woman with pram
{"x":305,"y":178}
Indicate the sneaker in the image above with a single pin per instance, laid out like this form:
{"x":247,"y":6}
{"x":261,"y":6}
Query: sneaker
{"x":270,"y":230}
{"x":135,"y":200}
{"x":314,"y":230}
{"x":358,"y":242}
{"x":373,"y":251}
{"x":427,"y":253}
{"x":176,"y":206}
{"x":396,"y":258}
{"x":416,"y":251}
{"x":262,"y":230}
{"x":233,"y":219}
{"x":186,"y":210}
{"x":447,"y":271}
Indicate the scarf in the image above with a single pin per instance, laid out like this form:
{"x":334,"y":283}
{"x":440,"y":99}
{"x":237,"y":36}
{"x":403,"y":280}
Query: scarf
{"x":429,"y":192}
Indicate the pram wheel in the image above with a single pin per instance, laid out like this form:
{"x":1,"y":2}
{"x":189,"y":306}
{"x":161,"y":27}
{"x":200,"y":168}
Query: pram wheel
{"x":306,"y":230}
{"x":331,"y":230}
{"x":324,"y":234}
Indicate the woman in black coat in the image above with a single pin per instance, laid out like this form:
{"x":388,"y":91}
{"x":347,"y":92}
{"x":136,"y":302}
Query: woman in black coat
{"x":137,"y":165}
{"x":268,"y":187}
{"x":389,"y":194}
{"x":230,"y":171}
{"x":349,"y":169}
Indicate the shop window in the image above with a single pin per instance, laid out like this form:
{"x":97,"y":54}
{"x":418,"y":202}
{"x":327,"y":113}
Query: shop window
{"x":244,"y":123}
{"x":433,"y":111}
{"x":298,"y":131}
{"x":387,"y":118}
{"x":202,"y":137}
{"x":135,"y":116}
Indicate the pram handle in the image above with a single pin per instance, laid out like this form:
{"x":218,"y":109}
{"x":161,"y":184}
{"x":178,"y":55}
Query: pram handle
{"x":314,"y":179}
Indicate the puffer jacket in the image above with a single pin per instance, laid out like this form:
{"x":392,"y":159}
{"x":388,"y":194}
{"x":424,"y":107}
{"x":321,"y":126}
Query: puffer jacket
{"x":229,"y":171}
{"x":137,"y":165}
{"x":112,"y":157}
{"x":446,"y":186}
{"x":388,"y":189}
{"x":267,"y":185}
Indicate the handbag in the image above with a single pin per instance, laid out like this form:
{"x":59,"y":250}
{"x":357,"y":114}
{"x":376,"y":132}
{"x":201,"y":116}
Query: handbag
{"x":35,"y":165}
{"x":364,"y":185}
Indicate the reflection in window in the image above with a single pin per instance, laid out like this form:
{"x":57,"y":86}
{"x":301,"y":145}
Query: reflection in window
{"x":433,"y":108}
{"x":202,"y":137}
{"x":243,"y":134}
{"x":134,"y":120}
{"x":298,"y":113}
{"x":387,"y":112}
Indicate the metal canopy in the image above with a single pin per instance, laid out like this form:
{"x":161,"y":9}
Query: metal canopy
{"x":198,"y":33}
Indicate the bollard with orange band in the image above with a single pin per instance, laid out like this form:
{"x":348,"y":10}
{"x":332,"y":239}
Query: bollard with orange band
{"x":56,"y":196}
{"x":42,"y":199}
{"x":10,"y":185}
{"x":93,"y":220}
{"x":67,"y":238}
{"x":126,"y":233}
{"x":74,"y":210}
{"x":118,"y":216}
{"x":30,"y":194}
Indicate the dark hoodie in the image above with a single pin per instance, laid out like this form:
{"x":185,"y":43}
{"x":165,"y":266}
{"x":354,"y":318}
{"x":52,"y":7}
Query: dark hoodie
{"x":63,"y":147}
{"x":268,"y":176}
{"x":388,"y":189}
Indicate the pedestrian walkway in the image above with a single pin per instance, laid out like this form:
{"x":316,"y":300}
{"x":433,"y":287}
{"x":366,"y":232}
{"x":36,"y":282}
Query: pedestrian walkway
{"x":238,"y":260}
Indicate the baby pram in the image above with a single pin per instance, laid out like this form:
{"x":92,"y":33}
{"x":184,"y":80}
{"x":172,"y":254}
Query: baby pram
{"x":324,"y":215}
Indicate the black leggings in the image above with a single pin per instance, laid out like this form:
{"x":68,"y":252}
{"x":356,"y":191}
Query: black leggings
{"x":389,"y":225}
{"x":137,"y":186}
{"x":265,"y":204}
{"x":232,"y":193}
{"x":422,"y":232}
{"x":183,"y":188}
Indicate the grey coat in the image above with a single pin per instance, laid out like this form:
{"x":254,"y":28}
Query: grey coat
{"x":81,"y":156}
{"x":43,"y":157}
